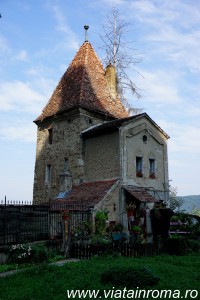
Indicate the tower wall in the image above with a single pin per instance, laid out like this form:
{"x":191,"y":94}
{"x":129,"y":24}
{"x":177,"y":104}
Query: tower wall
{"x":59,"y":154}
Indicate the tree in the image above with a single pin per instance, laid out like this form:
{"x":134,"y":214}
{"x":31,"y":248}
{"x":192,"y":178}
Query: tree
{"x":120,"y":55}
{"x":174,"y":202}
{"x":195,"y":211}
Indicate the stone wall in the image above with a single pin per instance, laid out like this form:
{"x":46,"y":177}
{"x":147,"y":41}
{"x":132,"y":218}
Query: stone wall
{"x":102,"y":156}
{"x":66,"y":144}
{"x":110,"y":203}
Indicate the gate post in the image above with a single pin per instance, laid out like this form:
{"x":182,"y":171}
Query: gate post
{"x":66,"y":230}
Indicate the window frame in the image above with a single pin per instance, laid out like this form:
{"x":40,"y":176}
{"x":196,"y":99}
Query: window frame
{"x":139,"y":166}
{"x":50,"y":136}
{"x":152,"y":168}
{"x":66,"y":165}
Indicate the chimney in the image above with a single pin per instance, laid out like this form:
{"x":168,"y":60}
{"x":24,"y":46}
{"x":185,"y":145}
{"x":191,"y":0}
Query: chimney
{"x":111,"y":80}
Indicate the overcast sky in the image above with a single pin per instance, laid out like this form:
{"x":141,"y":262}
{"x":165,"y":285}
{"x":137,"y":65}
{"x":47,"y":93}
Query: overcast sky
{"x":38,"y":40}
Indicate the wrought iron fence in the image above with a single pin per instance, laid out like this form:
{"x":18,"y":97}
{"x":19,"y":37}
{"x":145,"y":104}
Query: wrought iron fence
{"x":22,"y":222}
{"x":15,"y":202}
{"x":27,"y":223}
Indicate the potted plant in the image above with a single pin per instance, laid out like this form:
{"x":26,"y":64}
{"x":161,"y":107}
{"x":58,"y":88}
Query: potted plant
{"x":136,"y":229}
{"x":152,"y":175}
{"x":139,"y":173}
{"x":131,"y":207}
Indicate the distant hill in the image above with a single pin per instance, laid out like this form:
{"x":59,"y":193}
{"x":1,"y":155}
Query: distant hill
{"x":190,"y":202}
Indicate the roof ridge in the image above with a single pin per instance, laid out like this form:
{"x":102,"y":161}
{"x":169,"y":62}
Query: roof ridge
{"x":84,"y":72}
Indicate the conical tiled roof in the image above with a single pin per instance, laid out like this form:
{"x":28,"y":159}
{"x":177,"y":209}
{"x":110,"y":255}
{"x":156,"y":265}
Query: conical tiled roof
{"x":84,"y":85}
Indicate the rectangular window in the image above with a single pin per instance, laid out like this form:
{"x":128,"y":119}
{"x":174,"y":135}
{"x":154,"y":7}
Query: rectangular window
{"x":48,"y":175}
{"x":66,"y":165}
{"x":139,"y":166}
{"x":152,"y":168}
{"x":50,"y":137}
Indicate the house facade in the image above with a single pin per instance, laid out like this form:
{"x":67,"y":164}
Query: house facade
{"x":90,"y":152}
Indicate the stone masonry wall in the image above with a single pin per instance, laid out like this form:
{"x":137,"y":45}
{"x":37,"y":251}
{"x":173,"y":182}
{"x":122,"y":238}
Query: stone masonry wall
{"x":102,"y":156}
{"x":66,"y":144}
{"x":110,"y":204}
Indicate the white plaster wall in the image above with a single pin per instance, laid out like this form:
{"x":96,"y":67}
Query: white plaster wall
{"x":132,"y":145}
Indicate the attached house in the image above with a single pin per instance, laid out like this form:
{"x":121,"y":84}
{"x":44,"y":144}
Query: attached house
{"x":91,"y":154}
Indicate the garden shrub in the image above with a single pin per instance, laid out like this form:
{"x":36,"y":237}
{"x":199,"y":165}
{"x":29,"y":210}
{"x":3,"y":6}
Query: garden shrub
{"x":177,"y":246}
{"x":129,"y":277}
{"x":19,"y":254}
{"x":100,"y":222}
{"x":100,"y":245}
{"x":39,"y":253}
{"x":26,"y":253}
{"x":194,"y":246}
{"x":195,"y":230}
{"x":160,"y":218}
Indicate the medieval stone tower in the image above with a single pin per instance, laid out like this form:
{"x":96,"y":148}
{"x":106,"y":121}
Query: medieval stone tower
{"x":85,"y":96}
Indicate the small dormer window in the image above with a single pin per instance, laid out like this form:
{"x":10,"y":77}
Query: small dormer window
{"x":50,"y":135}
{"x":144,"y":138}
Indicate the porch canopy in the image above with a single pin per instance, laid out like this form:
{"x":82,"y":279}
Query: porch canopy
{"x":140,"y":194}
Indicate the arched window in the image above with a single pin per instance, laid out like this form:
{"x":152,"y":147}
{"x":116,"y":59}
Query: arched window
{"x":144,"y":138}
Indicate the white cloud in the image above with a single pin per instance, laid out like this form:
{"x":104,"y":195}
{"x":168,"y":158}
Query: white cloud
{"x":193,"y":111}
{"x":143,"y":7}
{"x":159,"y":87}
{"x":22,"y":55}
{"x":183,"y":153}
{"x":21,"y":131}
{"x":22,"y":96}
{"x":172,"y":29}
{"x":114,"y":2}
{"x":62,"y":26}
{"x":3,"y":45}
{"x":185,"y":138}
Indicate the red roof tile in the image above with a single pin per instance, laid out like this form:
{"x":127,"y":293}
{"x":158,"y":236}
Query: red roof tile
{"x":85,"y":195}
{"x":84,"y":85}
{"x":140,"y":194}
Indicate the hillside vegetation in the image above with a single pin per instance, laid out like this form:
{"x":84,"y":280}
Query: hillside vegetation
{"x":190,"y":202}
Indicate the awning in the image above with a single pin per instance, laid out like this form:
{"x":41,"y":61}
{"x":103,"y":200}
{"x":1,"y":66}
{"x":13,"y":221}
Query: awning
{"x":141,"y":194}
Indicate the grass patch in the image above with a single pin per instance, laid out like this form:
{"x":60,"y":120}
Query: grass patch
{"x":131,"y":278}
{"x":15,"y":266}
{"x":51,"y":282}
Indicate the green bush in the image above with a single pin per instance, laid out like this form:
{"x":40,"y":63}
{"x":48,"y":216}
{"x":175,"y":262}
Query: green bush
{"x":19,"y":254}
{"x":129,"y":277}
{"x":39,"y":253}
{"x":177,"y":246}
{"x":182,"y":246}
{"x":194,"y":246}
{"x":195,"y":230}
{"x":100,"y":222}
{"x":100,"y":240}
{"x":26,"y":253}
